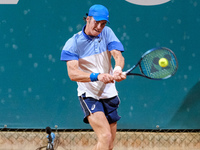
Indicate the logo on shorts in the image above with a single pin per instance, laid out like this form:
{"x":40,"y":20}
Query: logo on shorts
{"x":9,"y":1}
{"x":148,"y":2}
{"x":93,"y":107}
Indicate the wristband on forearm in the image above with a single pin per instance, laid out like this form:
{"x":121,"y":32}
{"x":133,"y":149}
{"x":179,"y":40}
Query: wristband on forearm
{"x":94,"y":76}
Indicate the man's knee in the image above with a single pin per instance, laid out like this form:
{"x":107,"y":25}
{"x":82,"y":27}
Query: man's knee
{"x":107,"y":137}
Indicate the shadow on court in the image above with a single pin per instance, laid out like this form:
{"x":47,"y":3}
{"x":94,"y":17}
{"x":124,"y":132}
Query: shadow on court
{"x":189,"y":112}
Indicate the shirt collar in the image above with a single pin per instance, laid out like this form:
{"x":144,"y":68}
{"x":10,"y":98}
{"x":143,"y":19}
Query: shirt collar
{"x":88,"y":36}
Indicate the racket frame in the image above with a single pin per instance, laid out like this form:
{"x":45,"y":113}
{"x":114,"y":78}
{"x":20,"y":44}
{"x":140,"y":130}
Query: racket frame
{"x":128,"y":72}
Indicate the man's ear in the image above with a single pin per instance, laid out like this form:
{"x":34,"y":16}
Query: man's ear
{"x":87,"y":18}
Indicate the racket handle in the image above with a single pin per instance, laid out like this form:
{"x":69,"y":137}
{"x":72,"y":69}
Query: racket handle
{"x":124,"y":73}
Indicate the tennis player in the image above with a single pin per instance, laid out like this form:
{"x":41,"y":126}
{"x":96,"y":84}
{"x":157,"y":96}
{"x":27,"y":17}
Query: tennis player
{"x":88,"y":57}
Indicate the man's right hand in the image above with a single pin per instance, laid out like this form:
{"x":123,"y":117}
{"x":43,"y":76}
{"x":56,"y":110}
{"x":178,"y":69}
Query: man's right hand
{"x":106,"y":78}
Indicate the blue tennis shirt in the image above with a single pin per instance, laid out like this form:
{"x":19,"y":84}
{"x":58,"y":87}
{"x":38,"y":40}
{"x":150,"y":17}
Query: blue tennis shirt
{"x":93,"y":54}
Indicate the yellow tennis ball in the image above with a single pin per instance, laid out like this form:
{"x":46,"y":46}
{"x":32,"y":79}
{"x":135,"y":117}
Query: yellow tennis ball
{"x":163,"y":62}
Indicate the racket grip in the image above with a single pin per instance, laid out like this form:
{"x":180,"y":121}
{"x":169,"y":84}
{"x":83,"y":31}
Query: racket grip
{"x":124,"y":73}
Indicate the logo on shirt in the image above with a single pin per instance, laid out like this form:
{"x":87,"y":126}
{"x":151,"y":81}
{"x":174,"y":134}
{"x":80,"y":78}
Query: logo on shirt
{"x":148,"y":2}
{"x":93,"y":107}
{"x":9,"y":1}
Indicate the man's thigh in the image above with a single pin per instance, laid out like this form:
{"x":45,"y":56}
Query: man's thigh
{"x":99,"y":123}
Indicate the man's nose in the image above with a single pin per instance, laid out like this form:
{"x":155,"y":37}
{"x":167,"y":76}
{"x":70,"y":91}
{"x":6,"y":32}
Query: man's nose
{"x":99,"y":25}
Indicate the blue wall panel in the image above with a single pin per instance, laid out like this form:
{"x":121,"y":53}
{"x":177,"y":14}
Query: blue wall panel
{"x":35,"y":90}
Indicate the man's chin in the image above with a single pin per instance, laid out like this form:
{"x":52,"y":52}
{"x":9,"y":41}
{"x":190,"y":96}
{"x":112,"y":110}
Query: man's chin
{"x":96,"y":33}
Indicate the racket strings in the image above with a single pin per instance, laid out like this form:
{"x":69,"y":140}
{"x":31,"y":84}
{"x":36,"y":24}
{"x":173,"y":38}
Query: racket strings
{"x":151,"y":68}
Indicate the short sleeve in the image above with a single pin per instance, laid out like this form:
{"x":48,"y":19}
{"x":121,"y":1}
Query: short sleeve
{"x":69,"y":51}
{"x":112,"y":40}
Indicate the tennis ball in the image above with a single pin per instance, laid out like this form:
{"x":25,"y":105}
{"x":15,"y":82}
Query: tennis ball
{"x":163,"y":62}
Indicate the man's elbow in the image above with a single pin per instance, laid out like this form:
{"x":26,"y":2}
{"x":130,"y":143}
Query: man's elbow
{"x":72,"y":77}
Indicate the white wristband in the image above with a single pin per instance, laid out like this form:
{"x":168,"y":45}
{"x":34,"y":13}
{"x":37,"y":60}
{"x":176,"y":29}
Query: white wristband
{"x":117,"y":68}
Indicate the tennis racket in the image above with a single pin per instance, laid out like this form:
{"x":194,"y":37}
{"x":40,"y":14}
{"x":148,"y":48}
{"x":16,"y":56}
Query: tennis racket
{"x":157,"y":63}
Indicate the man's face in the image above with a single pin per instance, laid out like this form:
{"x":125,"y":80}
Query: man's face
{"x":93,"y":27}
